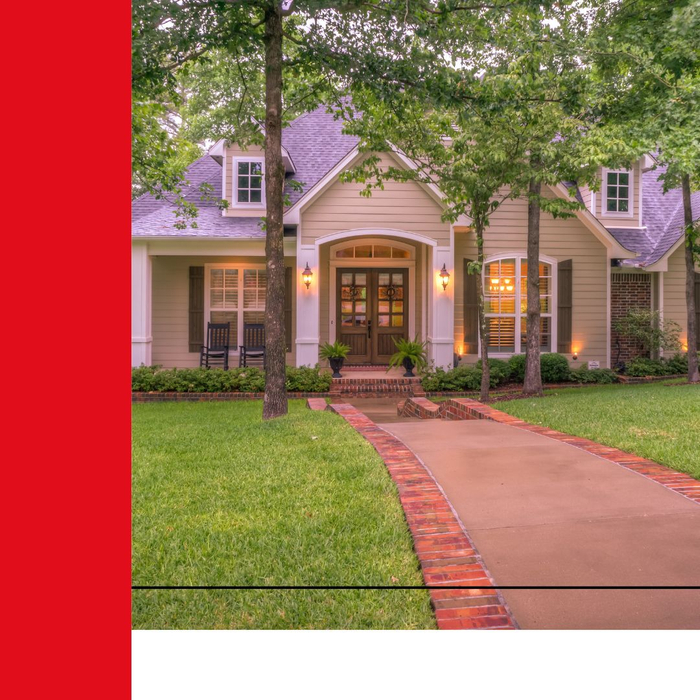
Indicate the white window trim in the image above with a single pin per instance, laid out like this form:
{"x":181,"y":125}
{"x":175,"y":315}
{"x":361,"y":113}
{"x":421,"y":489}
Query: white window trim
{"x":519,"y":256}
{"x":604,"y":195}
{"x":373,"y":241}
{"x":240,"y":310}
{"x":234,"y":184}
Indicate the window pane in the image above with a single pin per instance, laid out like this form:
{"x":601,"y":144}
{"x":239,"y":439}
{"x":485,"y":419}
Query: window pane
{"x":612,"y":205}
{"x":623,"y":192}
{"x":361,"y":279}
{"x":243,"y":181}
{"x":397,"y":320}
{"x":242,"y":195}
{"x":256,"y":168}
{"x":360,"y":321}
{"x":501,"y":334}
{"x":397,"y":307}
{"x":612,"y":178}
{"x":363,"y":251}
{"x":623,"y":205}
{"x":346,"y":307}
{"x":624,"y":178}
{"x":397,"y":278}
{"x":399,"y":253}
{"x":256,"y":182}
{"x":345,"y":253}
{"x":231,"y":278}
{"x":382,"y":251}
{"x":243,"y":167}
{"x":346,"y":277}
{"x":217,"y":278}
{"x":384,"y":279}
{"x":612,"y":191}
{"x":216,"y":299}
{"x":231,"y":298}
{"x":255,"y":195}
{"x":545,"y":333}
{"x":383,"y":307}
{"x":347,"y":320}
{"x":360,"y":307}
{"x":383,"y":321}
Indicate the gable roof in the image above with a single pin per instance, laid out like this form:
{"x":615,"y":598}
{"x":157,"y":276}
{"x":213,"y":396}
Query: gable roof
{"x":662,"y":215}
{"x":314,"y":141}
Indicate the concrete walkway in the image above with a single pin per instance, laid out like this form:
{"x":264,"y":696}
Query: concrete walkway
{"x":542,"y":512}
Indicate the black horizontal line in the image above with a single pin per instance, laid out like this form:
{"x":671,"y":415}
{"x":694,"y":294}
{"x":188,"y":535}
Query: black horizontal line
{"x":411,"y":588}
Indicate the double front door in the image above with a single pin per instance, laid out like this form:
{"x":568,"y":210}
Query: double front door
{"x":372,"y":311}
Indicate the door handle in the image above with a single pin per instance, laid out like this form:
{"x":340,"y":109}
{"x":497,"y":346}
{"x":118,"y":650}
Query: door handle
{"x":369,"y":328}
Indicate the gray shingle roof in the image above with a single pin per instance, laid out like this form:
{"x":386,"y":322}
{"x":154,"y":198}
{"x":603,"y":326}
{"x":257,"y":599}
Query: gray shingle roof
{"x":316,"y":144}
{"x":662,"y":214}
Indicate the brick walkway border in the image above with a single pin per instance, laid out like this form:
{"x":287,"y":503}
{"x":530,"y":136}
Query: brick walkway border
{"x":164,"y":396}
{"x":468,"y":409}
{"x":446,"y":553}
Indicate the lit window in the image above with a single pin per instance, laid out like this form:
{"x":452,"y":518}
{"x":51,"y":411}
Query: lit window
{"x":249,"y":182}
{"x":372,"y":251}
{"x":617,"y":192}
{"x":505,"y":304}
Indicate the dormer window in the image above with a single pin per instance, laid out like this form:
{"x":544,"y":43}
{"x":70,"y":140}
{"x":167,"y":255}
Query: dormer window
{"x":248,"y":182}
{"x":617,"y":193}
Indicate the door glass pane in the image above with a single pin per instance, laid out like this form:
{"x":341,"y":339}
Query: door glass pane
{"x":360,"y":279}
{"x":384,"y":279}
{"x":397,"y":307}
{"x":397,"y":320}
{"x":383,"y":307}
{"x":360,"y":320}
{"x":346,"y":307}
{"x":360,"y":307}
{"x":347,"y":320}
{"x":346,"y":278}
{"x":383,"y":321}
{"x":397,"y":278}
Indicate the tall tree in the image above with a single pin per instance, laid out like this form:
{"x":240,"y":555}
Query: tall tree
{"x":647,"y":57}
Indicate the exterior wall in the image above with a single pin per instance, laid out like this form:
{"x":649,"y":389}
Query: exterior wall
{"x":620,"y":221}
{"x":406,"y":206}
{"x":562,"y":239}
{"x":628,"y":290}
{"x":170,"y":307}
{"x":235,"y":151}
{"x":674,"y":306}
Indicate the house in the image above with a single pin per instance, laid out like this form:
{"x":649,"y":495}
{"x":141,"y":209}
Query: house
{"x":376,"y":262}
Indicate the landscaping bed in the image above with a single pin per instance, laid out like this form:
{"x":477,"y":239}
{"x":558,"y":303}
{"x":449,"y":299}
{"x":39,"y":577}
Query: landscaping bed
{"x":657,"y":421}
{"x":222,"y":498}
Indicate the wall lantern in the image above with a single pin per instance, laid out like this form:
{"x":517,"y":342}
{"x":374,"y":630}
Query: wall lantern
{"x":444,"y":276}
{"x":575,"y":355}
{"x":307,"y":275}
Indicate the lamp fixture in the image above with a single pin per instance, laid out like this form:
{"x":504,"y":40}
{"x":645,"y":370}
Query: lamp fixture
{"x":307,"y":275}
{"x":575,"y":355}
{"x":444,"y":276}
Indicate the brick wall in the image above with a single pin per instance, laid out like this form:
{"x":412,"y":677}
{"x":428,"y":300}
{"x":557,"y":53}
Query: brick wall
{"x":629,"y":290}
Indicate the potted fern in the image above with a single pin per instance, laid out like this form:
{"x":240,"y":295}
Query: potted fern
{"x":410,"y":354}
{"x":335,"y":353}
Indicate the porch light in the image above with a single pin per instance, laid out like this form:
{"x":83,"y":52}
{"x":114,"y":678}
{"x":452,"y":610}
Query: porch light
{"x":575,"y":355}
{"x":307,"y":275}
{"x":444,"y":276}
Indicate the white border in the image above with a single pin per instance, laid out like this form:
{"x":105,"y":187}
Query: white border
{"x":235,"y":204}
{"x":604,"y":195}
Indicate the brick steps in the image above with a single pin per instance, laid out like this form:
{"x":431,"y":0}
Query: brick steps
{"x":380,"y":386}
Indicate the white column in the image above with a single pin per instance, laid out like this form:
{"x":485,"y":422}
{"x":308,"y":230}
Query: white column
{"x":141,"y":338}
{"x":442,"y":319}
{"x":308,"y":308}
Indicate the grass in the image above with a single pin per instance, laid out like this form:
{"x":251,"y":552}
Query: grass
{"x":654,"y":421}
{"x":221,"y":498}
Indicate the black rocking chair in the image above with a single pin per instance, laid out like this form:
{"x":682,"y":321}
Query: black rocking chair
{"x":215,"y":352}
{"x":253,"y":343}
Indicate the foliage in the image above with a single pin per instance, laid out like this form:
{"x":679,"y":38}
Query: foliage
{"x":554,"y":368}
{"x":499,"y":371}
{"x":412,"y":350}
{"x":239,"y":379}
{"x":465,"y":377}
{"x":516,"y":364}
{"x":650,"y":420}
{"x":649,"y":330}
{"x":583,"y":375}
{"x":222,"y":498}
{"x":334,"y":351}
{"x":644,"y":367}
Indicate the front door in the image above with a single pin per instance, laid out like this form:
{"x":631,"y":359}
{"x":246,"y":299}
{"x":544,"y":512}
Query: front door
{"x":372,"y":311}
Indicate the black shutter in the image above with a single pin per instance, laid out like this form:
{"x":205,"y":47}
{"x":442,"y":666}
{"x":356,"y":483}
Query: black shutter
{"x":288,"y":307}
{"x":565,"y":306}
{"x":471,"y":313}
{"x":196,"y":309}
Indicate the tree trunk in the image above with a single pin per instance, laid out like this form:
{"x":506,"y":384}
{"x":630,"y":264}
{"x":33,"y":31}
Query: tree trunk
{"x":533,"y":376}
{"x":483,"y":328}
{"x":275,"y":401}
{"x":690,"y":238}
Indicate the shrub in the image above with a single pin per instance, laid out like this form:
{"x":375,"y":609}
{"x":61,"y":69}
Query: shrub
{"x":243,"y":379}
{"x":649,"y":330}
{"x":678,"y":364}
{"x":554,"y":368}
{"x":499,"y":372}
{"x":583,"y":375}
{"x":516,"y":365}
{"x":644,"y":367}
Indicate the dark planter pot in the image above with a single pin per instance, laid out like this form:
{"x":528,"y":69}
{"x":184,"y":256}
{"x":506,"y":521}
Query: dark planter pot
{"x":408,"y":366}
{"x":336,"y":364}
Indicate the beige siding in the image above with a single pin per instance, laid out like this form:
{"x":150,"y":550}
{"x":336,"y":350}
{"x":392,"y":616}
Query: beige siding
{"x":406,"y":206}
{"x":674,"y":304}
{"x":235,"y":151}
{"x":562,"y":239}
{"x":170,"y":307}
{"x":620,"y":221}
{"x":586,"y":196}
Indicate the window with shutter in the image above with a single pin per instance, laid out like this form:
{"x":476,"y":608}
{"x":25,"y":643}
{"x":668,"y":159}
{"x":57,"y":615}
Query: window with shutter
{"x":236,"y":295}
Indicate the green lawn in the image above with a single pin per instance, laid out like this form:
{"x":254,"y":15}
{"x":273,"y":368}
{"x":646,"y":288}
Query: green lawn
{"x":221,"y":498}
{"x":650,"y":420}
